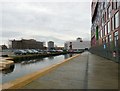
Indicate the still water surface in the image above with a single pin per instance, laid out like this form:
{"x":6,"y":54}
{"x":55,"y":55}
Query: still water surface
{"x":30,"y":66}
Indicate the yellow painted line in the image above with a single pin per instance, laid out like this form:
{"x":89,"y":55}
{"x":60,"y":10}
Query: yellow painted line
{"x":20,"y":82}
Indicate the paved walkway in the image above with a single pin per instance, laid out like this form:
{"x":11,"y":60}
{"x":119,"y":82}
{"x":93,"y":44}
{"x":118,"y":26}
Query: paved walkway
{"x":87,"y":71}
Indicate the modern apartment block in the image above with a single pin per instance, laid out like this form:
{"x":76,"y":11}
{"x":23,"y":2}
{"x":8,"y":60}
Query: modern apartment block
{"x":76,"y":45}
{"x":105,"y":29}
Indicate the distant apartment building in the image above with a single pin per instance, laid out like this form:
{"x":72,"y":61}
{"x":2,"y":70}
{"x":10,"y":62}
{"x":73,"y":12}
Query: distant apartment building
{"x":50,"y":45}
{"x":76,"y":45}
{"x":105,"y":29}
{"x":26,"y":44}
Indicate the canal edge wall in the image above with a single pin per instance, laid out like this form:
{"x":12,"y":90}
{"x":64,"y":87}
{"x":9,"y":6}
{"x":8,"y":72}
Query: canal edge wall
{"x":20,"y":82}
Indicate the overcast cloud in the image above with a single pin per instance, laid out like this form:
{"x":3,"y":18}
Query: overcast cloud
{"x":45,"y":21}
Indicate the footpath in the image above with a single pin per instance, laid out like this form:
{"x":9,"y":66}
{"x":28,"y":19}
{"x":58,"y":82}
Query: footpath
{"x":86,"y":71}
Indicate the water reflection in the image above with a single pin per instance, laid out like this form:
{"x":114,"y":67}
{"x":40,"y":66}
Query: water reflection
{"x":68,"y":55}
{"x":71,"y":55}
{"x":26,"y":62}
{"x":51,"y":57}
{"x":6,"y":71}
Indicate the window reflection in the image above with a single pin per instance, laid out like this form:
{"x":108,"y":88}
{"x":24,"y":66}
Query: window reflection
{"x":117,"y":20}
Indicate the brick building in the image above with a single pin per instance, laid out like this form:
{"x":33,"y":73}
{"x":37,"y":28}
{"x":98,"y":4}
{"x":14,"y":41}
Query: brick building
{"x":26,"y":44}
{"x":105,"y":29}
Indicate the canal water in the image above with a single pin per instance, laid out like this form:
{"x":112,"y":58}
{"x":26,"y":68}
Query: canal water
{"x":30,"y":66}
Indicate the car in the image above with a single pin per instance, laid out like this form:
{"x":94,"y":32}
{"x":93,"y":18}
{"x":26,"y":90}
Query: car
{"x":59,"y":50}
{"x":20,"y":52}
{"x":34,"y":51}
{"x":40,"y":51}
{"x":29,"y":51}
{"x":52,"y":51}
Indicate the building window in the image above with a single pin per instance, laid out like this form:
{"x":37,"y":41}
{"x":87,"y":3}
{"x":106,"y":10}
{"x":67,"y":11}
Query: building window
{"x":109,"y":11}
{"x":106,"y":3}
{"x":105,"y":29}
{"x":103,"y":40}
{"x":101,"y":33}
{"x":103,"y":5}
{"x":117,"y":20}
{"x":109,"y":27}
{"x":113,"y":23}
{"x":114,"y":6}
{"x":70,"y":47}
{"x":105,"y":16}
{"x":115,"y":38}
{"x":110,"y":38}
{"x":106,"y":39}
{"x":103,"y":20}
{"x":97,"y":33}
{"x":118,"y":4}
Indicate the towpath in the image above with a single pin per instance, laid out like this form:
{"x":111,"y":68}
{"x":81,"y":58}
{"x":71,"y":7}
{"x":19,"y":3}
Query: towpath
{"x":86,"y":71}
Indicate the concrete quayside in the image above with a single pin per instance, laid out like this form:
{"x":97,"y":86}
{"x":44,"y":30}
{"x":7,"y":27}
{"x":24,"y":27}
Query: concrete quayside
{"x":30,"y":66}
{"x":17,"y":83}
{"x":84,"y":71}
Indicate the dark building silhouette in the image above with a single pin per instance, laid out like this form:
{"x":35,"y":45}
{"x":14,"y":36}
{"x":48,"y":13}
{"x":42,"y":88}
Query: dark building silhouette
{"x":50,"y":45}
{"x":3,"y":47}
{"x":26,"y":44}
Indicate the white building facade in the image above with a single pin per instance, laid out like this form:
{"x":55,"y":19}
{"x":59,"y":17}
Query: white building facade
{"x":76,"y":45}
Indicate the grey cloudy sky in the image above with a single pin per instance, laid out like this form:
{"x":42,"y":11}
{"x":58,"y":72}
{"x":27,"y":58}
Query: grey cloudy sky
{"x":58,"y":21}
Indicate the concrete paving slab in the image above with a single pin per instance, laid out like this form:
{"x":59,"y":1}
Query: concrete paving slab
{"x":102,"y":73}
{"x":87,"y":71}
